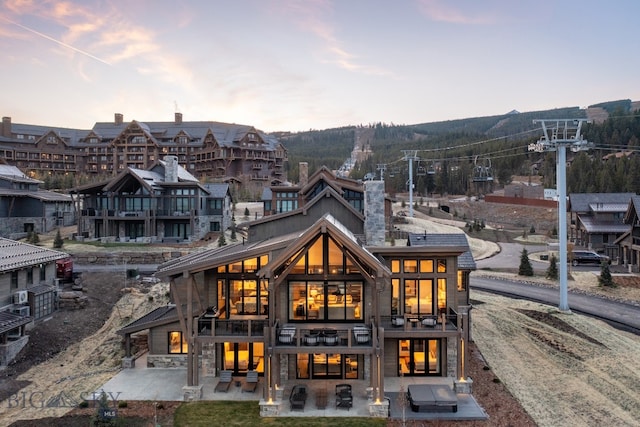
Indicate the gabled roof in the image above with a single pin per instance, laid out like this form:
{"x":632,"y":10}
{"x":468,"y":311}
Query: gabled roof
{"x":344,"y":237}
{"x":326,"y":192}
{"x":16,"y":255}
{"x":152,"y":178}
{"x":281,"y":249}
{"x":437,"y":240}
{"x":632,"y":213}
{"x":164,"y":133}
{"x":218,"y":190}
{"x":213,"y":257}
{"x":580,"y":202}
{"x":159,"y":316}
{"x":336,"y":182}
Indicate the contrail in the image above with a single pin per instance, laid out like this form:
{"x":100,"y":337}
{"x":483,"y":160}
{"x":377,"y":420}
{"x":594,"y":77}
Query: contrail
{"x":75,"y":49}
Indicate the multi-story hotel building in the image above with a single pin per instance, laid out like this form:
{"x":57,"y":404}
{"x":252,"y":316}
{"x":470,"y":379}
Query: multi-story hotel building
{"x":240,"y":155}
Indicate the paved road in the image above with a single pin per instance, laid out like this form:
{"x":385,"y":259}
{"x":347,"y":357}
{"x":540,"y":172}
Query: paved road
{"x":509,"y":257}
{"x":619,"y":312}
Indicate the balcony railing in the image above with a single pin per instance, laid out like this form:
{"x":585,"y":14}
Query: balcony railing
{"x":289,"y":335}
{"x":209,"y":326}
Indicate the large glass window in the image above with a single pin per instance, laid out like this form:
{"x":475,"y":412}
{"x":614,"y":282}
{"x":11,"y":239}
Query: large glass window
{"x":330,"y":300}
{"x":418,"y":296}
{"x":417,"y":357}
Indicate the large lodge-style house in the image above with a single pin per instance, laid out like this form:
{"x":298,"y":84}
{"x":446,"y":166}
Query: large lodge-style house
{"x":239,"y":155}
{"x":307,"y":298}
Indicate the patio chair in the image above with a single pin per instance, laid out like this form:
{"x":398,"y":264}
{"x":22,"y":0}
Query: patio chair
{"x":251,"y":382}
{"x":298,"y":397}
{"x":344,"y":398}
{"x":226,"y":377}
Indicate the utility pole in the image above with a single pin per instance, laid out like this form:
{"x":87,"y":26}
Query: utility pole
{"x":382,"y":167}
{"x":410,"y":156}
{"x":557,"y":136}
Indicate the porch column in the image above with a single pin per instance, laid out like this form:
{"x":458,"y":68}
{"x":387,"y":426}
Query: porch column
{"x":190,"y":338}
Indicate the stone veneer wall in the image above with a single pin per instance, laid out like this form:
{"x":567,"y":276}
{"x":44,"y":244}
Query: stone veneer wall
{"x":374,"y":221}
{"x":169,"y":361}
{"x":128,"y":257}
{"x":452,"y":358}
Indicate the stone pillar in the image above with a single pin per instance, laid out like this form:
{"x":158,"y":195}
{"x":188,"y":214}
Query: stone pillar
{"x":303,"y":172}
{"x":374,"y":222}
{"x":463,"y":385}
{"x":379,"y":409}
{"x":128,"y":362}
{"x":192,"y":393}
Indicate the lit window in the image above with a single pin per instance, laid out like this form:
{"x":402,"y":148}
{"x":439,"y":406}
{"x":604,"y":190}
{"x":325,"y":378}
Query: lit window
{"x":461,"y":284}
{"x":442,"y":266}
{"x":410,"y":266}
{"x":426,"y":266}
{"x":177,"y":343}
{"x":395,"y":266}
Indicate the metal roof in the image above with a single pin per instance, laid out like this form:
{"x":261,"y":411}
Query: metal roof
{"x":12,"y":173}
{"x":580,"y":202}
{"x":15,"y":255}
{"x":9,"y":321}
{"x":465,"y":260}
{"x":592,"y":225}
{"x":44,"y":195}
{"x":159,"y":316}
{"x":609,"y":207}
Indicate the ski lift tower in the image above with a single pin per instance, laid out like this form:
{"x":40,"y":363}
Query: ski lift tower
{"x":410,"y":156}
{"x":557,"y":135}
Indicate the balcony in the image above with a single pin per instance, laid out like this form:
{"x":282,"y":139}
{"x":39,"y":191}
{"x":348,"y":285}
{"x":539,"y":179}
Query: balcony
{"x":419,"y":325}
{"x":300,"y":336}
{"x":247,"y":326}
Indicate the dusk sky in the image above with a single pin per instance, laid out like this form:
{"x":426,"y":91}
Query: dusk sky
{"x":311,"y":64}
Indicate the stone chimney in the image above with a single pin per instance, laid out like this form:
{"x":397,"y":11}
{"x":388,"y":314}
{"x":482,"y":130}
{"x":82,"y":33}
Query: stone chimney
{"x":6,"y":127}
{"x":178,"y":118}
{"x":118,"y":119}
{"x":374,"y":222}
{"x":303,"y":169}
{"x":170,"y":169}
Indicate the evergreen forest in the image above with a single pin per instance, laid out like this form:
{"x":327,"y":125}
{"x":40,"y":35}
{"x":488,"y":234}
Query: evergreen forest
{"x":470,"y":156}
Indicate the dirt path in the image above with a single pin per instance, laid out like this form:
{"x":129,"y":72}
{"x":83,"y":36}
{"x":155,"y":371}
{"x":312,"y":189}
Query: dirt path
{"x":54,"y":386}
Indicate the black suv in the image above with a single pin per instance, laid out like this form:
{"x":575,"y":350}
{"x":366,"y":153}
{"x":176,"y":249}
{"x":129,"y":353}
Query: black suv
{"x":588,"y":257}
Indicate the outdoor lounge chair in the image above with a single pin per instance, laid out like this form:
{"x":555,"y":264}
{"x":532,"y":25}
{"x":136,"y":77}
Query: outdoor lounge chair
{"x":225,"y":381}
{"x":251,"y":382}
{"x":298,"y":397}
{"x":344,"y":398}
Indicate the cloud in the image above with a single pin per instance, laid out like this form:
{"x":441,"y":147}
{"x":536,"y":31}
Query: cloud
{"x":313,"y":16}
{"x":449,"y":12}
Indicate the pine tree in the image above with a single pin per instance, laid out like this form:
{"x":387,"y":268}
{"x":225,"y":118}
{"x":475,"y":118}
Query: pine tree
{"x":57,"y":241}
{"x":525,"y":268}
{"x":234,"y":237}
{"x":605,"y":278}
{"x":221,"y":240}
{"x":552,"y":271}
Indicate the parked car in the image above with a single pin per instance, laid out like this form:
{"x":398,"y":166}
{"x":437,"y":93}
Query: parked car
{"x":588,"y":257}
